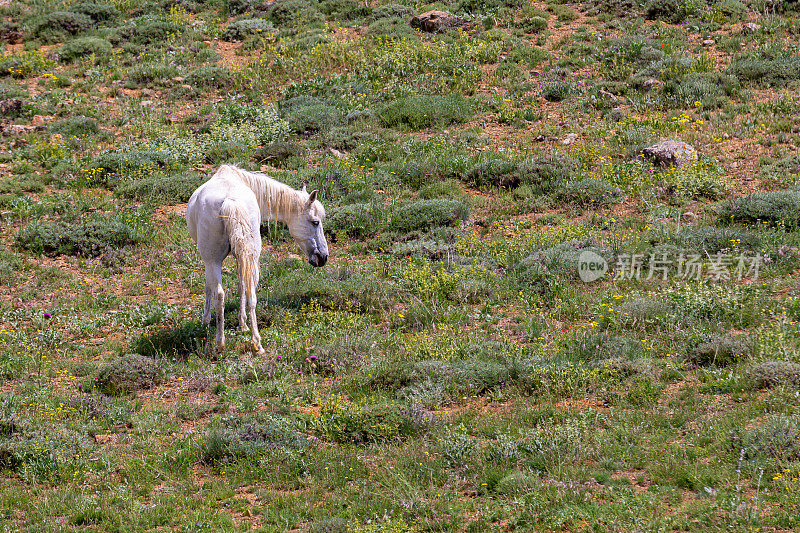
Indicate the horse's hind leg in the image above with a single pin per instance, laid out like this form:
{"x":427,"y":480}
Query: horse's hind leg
{"x":255,"y":336}
{"x":215,"y":294}
{"x":242,"y":307}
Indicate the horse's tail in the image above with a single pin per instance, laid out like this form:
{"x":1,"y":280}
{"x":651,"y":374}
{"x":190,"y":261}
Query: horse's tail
{"x":243,"y":245}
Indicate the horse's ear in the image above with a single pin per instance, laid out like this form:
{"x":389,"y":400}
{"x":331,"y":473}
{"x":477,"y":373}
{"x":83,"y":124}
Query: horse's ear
{"x":304,"y":186}
{"x":312,"y":197}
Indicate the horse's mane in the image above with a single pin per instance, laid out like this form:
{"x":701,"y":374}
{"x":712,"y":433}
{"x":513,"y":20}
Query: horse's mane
{"x":274,"y":198}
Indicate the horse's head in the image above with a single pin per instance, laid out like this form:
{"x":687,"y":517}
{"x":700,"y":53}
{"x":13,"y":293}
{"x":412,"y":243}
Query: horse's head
{"x":306,"y":229}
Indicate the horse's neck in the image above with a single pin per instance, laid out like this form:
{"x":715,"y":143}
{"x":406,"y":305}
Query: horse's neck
{"x":275,"y":199}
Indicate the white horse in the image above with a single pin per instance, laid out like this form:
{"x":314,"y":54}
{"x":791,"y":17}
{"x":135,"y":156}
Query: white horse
{"x":224,"y":215}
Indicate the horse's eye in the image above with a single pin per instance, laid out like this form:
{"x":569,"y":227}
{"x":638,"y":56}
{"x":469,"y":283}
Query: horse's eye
{"x":315,"y":223}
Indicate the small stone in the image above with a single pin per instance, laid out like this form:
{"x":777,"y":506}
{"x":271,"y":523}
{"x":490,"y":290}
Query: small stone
{"x":10,"y":106}
{"x":18,"y":129}
{"x":179,"y":79}
{"x":146,"y":103}
{"x":569,"y":139}
{"x":670,"y":153}
{"x":651,"y":83}
{"x":435,"y":21}
{"x":609,"y":96}
{"x":708,"y":42}
{"x":688,"y":217}
{"x":751,"y":27}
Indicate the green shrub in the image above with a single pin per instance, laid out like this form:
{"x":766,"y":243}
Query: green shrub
{"x":127,"y":374}
{"x":771,"y":374}
{"x":152,"y":74}
{"x":420,"y":112}
{"x":145,"y":31}
{"x":348,"y":10}
{"x":778,"y":438}
{"x":109,"y":167}
{"x":770,"y":72}
{"x":282,"y":154}
{"x":781,"y":208}
{"x":83,"y":47}
{"x":96,"y":12}
{"x":161,"y":188}
{"x":241,"y":29}
{"x":425,"y":214}
{"x":719,"y":350}
{"x":548,"y":172}
{"x":309,"y":115}
{"x":672,"y":11}
{"x":532,"y":24}
{"x":392,"y":11}
{"x":89,"y":237}
{"x":783,"y":172}
{"x":356,"y":220}
{"x":347,"y":423}
{"x":493,"y":170}
{"x":209,"y":77}
{"x":180,"y":341}
{"x":75,"y":127}
{"x":590,"y":192}
{"x":249,"y":436}
{"x":709,"y":239}
{"x":293,"y":13}
{"x":59,"y":26}
{"x":556,"y":91}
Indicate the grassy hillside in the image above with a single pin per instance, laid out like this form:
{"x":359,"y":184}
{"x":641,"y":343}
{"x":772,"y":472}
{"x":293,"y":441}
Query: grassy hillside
{"x":449,"y":369}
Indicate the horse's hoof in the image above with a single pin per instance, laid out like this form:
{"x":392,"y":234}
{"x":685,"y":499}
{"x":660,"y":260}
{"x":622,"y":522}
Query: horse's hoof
{"x":243,"y":327}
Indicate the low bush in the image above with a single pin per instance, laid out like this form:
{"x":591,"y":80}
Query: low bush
{"x":309,"y":115}
{"x":241,"y":29}
{"x":75,"y":127}
{"x":672,"y":11}
{"x":783,"y":172}
{"x":420,"y":112}
{"x":425,"y":214}
{"x":771,"y":374}
{"x":765,"y":71}
{"x":158,"y":188}
{"x":89,"y":237}
{"x":95,"y":11}
{"x":777,"y":439}
{"x":209,"y":77}
{"x":779,"y":208}
{"x":356,"y":220}
{"x":493,"y":170}
{"x":347,"y":423}
{"x":84,"y":47}
{"x":349,"y":10}
{"x":532,"y":24}
{"x":127,"y":374}
{"x":151,"y":74}
{"x":110,"y":167}
{"x":719,"y":350}
{"x":548,"y":172}
{"x":59,"y":26}
{"x":590,"y":192}
{"x":180,"y":341}
{"x":556,"y":91}
{"x":248,"y":436}
{"x":145,"y":31}
{"x":293,"y":13}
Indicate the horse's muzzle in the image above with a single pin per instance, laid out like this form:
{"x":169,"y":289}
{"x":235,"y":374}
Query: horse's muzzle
{"x":317,"y":259}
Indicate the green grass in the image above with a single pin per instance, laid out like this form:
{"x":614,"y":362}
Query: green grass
{"x":448,"y":369}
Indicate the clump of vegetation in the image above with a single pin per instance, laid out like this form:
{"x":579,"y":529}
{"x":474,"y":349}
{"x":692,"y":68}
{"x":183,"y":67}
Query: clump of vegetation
{"x":242,"y":29}
{"x":720,"y":351}
{"x":59,"y":26}
{"x":248,"y":437}
{"x":775,"y":374}
{"x":88,"y":237}
{"x":347,"y":423}
{"x":779,"y":208}
{"x":209,"y":77}
{"x":777,"y":439}
{"x":178,"y":341}
{"x":424,"y":214}
{"x":159,"y":188}
{"x":127,"y":374}
{"x":84,"y":47}
{"x":76,"y":127}
{"x":420,"y":112}
{"x":767,"y":71}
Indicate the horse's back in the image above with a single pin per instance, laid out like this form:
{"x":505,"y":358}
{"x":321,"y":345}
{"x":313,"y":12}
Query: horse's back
{"x":204,"y":210}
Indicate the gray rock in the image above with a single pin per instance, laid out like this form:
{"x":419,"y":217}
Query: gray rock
{"x":751,"y":27}
{"x":10,"y":106}
{"x":670,"y":153}
{"x":18,"y":129}
{"x":435,"y":21}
